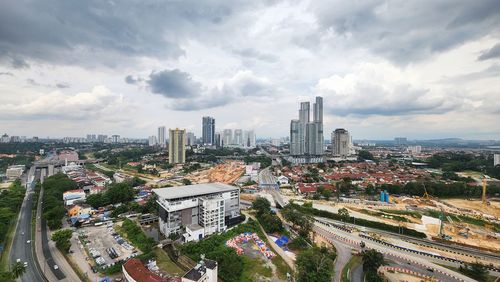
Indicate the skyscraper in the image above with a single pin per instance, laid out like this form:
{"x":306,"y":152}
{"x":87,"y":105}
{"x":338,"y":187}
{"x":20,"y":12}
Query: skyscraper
{"x":162,"y":131}
{"x":249,"y":139}
{"x":152,"y":141}
{"x":341,"y":143}
{"x":177,"y":146}
{"x":217,"y":140}
{"x":306,"y":137}
{"x":227,"y":137}
{"x":190,"y":139}
{"x":238,"y":137}
{"x":208,"y":131}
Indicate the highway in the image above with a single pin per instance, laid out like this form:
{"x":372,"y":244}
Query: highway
{"x":334,"y":234}
{"x":20,"y":248}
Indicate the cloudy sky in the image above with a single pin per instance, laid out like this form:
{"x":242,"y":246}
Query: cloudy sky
{"x":422,"y":69}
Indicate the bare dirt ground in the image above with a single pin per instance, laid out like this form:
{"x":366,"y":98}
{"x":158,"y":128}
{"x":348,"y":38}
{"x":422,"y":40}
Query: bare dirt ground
{"x":227,"y":172}
{"x":493,"y":209}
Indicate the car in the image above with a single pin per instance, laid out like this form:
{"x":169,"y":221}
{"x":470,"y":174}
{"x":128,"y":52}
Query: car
{"x":18,"y":260}
{"x":430,"y":269}
{"x":25,"y":264}
{"x":29,"y":241}
{"x":22,"y":233}
{"x":56,"y":267}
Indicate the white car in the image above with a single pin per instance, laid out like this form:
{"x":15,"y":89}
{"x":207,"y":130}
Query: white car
{"x":29,"y":241}
{"x":18,"y":260}
{"x":25,"y":264}
{"x":56,"y":267}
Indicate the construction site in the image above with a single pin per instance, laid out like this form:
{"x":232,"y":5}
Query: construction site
{"x":227,"y":172}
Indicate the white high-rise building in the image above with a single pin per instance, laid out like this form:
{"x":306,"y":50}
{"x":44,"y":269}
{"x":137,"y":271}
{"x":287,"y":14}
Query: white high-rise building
{"x":341,"y":143}
{"x":227,"y":137}
{"x":152,"y":141}
{"x":238,"y":137}
{"x":177,"y":146}
{"x":496,"y":159}
{"x":191,"y":139}
{"x":415,"y":150}
{"x":250,"y":139}
{"x":162,"y":136}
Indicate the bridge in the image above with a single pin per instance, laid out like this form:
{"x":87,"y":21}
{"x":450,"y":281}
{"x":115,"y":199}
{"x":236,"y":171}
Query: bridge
{"x":57,"y":163}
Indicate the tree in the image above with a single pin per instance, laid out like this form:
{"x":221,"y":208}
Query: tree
{"x":372,"y":260}
{"x":17,"y":269}
{"x":344,"y":214}
{"x":475,"y":270}
{"x":365,"y":155}
{"x":186,"y":181}
{"x":261,"y":205}
{"x":315,"y":264}
{"x":370,"y":189}
{"x":62,"y":237}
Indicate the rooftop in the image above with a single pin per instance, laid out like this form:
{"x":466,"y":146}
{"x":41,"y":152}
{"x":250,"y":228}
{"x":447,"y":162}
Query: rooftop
{"x":139,"y":272}
{"x":193,"y":190}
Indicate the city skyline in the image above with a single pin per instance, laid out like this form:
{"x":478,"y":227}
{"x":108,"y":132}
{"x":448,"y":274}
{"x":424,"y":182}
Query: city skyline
{"x":385,"y":69}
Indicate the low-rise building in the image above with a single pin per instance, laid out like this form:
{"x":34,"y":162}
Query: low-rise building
{"x":204,"y":271}
{"x":202,"y":209}
{"x":74,"y":196}
{"x":135,"y":271}
{"x":14,"y":172}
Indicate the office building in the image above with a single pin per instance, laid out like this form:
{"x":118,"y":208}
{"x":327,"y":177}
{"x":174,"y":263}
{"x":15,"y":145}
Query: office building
{"x":496,"y":159}
{"x":341,"y":143}
{"x":306,"y":136}
{"x":177,"y":146}
{"x":201,"y":209}
{"x":162,"y":137}
{"x":204,"y":271}
{"x":227,"y":137}
{"x":115,"y":138}
{"x":208,"y":131}
{"x":191,"y":139}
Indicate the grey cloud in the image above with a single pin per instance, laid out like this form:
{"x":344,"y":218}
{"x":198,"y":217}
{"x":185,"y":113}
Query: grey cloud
{"x":494,"y":52}
{"x":96,"y":32}
{"x":130,"y":79}
{"x":18,"y":63}
{"x":6,"y":73}
{"x":490,"y":72}
{"x":407,"y":31}
{"x":174,"y":84}
{"x":255,"y":54}
{"x":62,"y":85}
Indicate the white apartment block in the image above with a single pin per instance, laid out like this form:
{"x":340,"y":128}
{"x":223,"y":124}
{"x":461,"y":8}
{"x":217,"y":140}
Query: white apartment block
{"x":202,"y":209}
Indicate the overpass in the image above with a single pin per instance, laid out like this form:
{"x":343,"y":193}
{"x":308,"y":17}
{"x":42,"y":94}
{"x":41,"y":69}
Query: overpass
{"x":57,"y":163}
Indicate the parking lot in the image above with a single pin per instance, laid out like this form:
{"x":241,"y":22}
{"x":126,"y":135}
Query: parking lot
{"x":105,"y":246}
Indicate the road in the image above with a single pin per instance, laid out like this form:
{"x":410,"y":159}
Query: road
{"x":20,"y":248}
{"x":335,"y":234}
{"x":343,"y":254}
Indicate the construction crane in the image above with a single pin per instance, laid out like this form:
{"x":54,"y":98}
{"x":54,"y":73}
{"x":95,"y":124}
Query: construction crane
{"x":442,"y":218}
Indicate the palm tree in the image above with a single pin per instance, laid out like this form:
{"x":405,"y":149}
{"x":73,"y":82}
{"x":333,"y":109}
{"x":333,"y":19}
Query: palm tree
{"x":18,"y":269}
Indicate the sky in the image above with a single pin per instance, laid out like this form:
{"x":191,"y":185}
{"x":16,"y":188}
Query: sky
{"x":420,"y":69}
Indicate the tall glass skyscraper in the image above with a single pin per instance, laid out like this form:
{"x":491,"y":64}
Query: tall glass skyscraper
{"x":208,"y":131}
{"x":306,"y":136}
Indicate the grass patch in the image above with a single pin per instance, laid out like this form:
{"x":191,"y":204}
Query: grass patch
{"x":166,"y":264}
{"x":353,"y":262}
{"x":281,"y":267}
{"x":383,"y":215}
{"x":489,"y":278}
{"x":402,"y":212}
{"x":253,"y":268}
